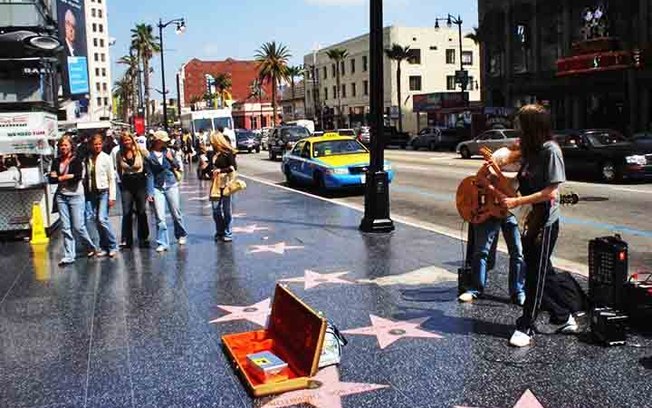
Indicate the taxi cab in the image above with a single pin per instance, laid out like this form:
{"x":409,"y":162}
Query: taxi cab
{"x":329,"y":162}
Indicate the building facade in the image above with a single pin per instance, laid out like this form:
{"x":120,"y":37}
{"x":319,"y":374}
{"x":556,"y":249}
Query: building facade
{"x":99,"y":60}
{"x":435,"y":58}
{"x":589,"y":60}
{"x":293,"y":105}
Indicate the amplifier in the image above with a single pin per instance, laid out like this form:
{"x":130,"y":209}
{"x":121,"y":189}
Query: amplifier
{"x":638,"y":300}
{"x":607,"y":271}
{"x":608,"y":326}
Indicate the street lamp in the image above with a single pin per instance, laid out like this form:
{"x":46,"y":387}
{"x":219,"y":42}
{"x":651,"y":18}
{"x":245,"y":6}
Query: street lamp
{"x":461,"y":76}
{"x":376,"y":205}
{"x":181,"y":28}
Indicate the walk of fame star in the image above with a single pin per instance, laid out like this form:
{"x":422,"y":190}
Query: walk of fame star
{"x":250,"y":229}
{"x":256,"y":313}
{"x":527,"y":400}
{"x":279,"y":248}
{"x":238,"y":215}
{"x":388,"y":331}
{"x":313,"y":279}
{"x":328,"y":392}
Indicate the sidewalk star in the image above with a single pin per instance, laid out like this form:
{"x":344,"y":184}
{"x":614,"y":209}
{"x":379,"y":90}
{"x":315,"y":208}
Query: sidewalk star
{"x":328,"y":394}
{"x":388,"y":331}
{"x":527,"y":400}
{"x":256,"y":313}
{"x":313,"y":279}
{"x":279,"y":248}
{"x":239,"y":215}
{"x":250,"y":229}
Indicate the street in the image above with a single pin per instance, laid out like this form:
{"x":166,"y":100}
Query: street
{"x":423,"y":192}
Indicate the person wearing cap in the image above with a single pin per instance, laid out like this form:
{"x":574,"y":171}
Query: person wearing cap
{"x":163,"y":188}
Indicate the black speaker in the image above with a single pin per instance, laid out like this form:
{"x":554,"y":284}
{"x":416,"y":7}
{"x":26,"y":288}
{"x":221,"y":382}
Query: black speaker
{"x":608,"y":326}
{"x":607,"y":272}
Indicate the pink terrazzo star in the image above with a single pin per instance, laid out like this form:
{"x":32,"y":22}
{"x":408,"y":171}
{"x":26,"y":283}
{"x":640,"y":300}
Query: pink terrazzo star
{"x":256,"y":313}
{"x":388,"y":331}
{"x":328,"y":395}
{"x":313,"y":279}
{"x":527,"y":400}
{"x":279,"y":248}
{"x":250,"y":229}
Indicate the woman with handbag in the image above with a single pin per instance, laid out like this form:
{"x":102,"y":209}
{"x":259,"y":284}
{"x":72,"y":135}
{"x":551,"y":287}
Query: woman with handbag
{"x":67,"y":172}
{"x":130,"y":162}
{"x":221,"y":169}
{"x":162,"y":170}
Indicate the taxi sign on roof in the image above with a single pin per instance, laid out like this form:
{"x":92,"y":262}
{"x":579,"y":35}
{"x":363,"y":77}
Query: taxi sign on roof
{"x":331,"y":134}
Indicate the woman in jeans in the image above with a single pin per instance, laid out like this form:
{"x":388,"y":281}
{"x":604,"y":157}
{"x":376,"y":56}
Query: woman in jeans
{"x":101,"y":194}
{"x":163,"y":188}
{"x":131,"y":169}
{"x":67,"y":171}
{"x":220,"y":167}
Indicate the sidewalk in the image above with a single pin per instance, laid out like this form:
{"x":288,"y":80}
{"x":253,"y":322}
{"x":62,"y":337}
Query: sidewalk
{"x":143,"y":330}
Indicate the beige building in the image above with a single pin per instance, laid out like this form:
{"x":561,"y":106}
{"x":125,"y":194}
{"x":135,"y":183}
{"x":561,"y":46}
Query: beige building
{"x":99,"y":60}
{"x":435,"y":58}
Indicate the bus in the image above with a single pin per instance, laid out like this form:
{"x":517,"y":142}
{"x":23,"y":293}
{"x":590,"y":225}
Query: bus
{"x":209,"y":120}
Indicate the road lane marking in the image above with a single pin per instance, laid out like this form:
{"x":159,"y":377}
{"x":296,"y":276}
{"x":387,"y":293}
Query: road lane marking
{"x":632,"y":190}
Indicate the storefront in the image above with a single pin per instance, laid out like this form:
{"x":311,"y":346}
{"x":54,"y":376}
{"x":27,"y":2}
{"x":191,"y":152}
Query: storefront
{"x":26,"y":147}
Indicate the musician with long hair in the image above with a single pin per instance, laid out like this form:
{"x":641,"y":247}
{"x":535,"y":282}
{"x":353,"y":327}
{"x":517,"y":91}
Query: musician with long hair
{"x":540,"y":177}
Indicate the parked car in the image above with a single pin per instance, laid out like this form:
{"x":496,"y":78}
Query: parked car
{"x":329,"y":162}
{"x":643,"y":141}
{"x":493,"y":139}
{"x":247,"y":141}
{"x":283,"y":138}
{"x":393,"y":137}
{"x":604,"y":153}
{"x":434,"y":138}
{"x":363,"y":134}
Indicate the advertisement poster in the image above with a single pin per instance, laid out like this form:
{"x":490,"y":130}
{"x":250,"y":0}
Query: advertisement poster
{"x":72,"y":33}
{"x":27,"y":133}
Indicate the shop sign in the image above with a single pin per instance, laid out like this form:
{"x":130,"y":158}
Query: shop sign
{"x":439,"y":100}
{"x":27,"y":132}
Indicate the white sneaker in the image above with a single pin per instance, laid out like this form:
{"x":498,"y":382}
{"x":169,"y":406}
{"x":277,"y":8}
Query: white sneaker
{"x":570,"y":327}
{"x":182,"y":241}
{"x":466,"y":297}
{"x":161,"y":248}
{"x":520,"y":339}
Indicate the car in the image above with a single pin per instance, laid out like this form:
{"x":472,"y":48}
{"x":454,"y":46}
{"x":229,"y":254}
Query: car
{"x":493,"y":139}
{"x":247,"y":141}
{"x":392,"y":137}
{"x":433,"y":138}
{"x":643,"y":141}
{"x":604,"y":153}
{"x":363,"y":135}
{"x":283,"y":138}
{"x":329,"y":162}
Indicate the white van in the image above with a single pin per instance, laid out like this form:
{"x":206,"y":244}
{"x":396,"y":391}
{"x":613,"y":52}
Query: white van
{"x":209,"y":120}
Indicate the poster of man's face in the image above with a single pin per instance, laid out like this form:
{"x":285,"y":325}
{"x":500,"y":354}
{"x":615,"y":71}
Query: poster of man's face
{"x":72,"y":34}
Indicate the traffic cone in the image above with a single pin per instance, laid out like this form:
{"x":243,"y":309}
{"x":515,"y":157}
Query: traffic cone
{"x":39,"y":237}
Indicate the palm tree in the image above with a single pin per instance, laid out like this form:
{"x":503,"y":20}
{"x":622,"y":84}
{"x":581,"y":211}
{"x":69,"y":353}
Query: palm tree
{"x":146,"y":44}
{"x":477,"y":37}
{"x":123,"y":91}
{"x":257,"y":91}
{"x":130,"y":74}
{"x":272,"y":59}
{"x":398,"y":53}
{"x":294,"y":72}
{"x":338,"y":55}
{"x":223,"y":85}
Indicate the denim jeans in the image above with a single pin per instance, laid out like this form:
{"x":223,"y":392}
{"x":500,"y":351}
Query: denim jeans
{"x":71,"y":211}
{"x":484,"y":236}
{"x":222,"y":217}
{"x":169,"y":196}
{"x":134,"y":195}
{"x":97,"y":213}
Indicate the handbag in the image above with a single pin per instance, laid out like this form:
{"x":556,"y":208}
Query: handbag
{"x":226,"y":184}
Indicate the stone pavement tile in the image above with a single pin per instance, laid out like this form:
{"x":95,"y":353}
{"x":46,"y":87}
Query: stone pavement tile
{"x":109,"y":377}
{"x":207,"y":395}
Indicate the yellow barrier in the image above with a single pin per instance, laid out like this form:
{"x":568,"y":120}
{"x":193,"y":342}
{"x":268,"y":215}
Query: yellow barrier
{"x":39,"y":237}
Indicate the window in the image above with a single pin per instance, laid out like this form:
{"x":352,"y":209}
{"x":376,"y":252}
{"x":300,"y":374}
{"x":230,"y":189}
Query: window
{"x":101,"y":28}
{"x":103,"y":57}
{"x":99,"y":101}
{"x":414,"y":56}
{"x":94,"y":27}
{"x":97,"y":86}
{"x":450,"y":56}
{"x":103,"y":72}
{"x":101,"y":42}
{"x":334,"y":91}
{"x":364,"y":63}
{"x":99,"y":13}
{"x":308,"y":94}
{"x":104,"y":86}
{"x":415,"y":83}
{"x":106,"y":101}
{"x":353,"y":90}
{"x":467,"y":57}
{"x":93,"y":12}
{"x":95,"y":42}
{"x":325,"y":94}
{"x":325,"y":73}
{"x":433,"y":48}
{"x":342,"y":68}
{"x":365,"y":88}
{"x":333,"y":74}
{"x":353,"y":65}
{"x":343,"y":90}
{"x":450,"y":83}
{"x":97,"y":57}
{"x":97,"y":72}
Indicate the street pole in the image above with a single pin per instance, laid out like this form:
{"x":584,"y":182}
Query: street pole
{"x":464,"y":81}
{"x":165,"y":104}
{"x":376,"y":214}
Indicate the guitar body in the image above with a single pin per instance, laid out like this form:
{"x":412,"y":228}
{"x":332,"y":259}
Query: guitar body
{"x":476,"y":204}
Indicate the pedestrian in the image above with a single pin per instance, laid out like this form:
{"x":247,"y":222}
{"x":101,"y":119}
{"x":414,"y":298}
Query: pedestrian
{"x":101,"y":195}
{"x":142,"y":141}
{"x":484,"y":238}
{"x":131,"y":169}
{"x":221,"y":169}
{"x":163,"y":188}
{"x":541,"y":174}
{"x":67,"y":172}
{"x":186,"y":142}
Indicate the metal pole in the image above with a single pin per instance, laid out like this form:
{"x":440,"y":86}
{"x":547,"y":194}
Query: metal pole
{"x":464,"y":82}
{"x":165,"y":105}
{"x":376,"y":216}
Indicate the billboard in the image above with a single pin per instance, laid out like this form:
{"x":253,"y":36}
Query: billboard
{"x":439,"y":100}
{"x":72,"y":33}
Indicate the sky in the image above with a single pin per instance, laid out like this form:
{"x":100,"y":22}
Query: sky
{"x":219,"y":29}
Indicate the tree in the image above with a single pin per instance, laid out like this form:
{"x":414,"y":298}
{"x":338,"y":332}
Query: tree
{"x":272,"y":59}
{"x":398,"y":53}
{"x":294,"y":72}
{"x":130,"y":75}
{"x":338,"y":55}
{"x":123,"y":91}
{"x":223,"y":86}
{"x":477,"y":36}
{"x":146,"y":44}
{"x":257,"y":91}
